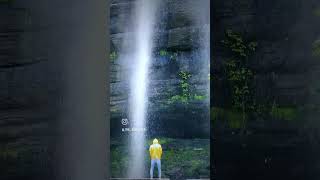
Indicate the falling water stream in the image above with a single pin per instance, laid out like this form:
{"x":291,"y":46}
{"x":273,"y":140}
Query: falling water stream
{"x":143,"y":30}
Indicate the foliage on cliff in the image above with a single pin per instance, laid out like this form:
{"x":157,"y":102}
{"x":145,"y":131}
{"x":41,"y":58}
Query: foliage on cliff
{"x":186,"y":94}
{"x":239,"y":73}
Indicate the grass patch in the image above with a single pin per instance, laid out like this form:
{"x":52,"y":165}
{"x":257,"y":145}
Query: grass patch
{"x":284,"y":113}
{"x":182,"y":158}
{"x":232,"y":117}
{"x":199,"y":97}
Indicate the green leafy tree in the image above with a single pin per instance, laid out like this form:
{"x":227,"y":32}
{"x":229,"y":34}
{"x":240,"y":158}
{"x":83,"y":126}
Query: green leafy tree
{"x":185,"y":92}
{"x":239,"y":74}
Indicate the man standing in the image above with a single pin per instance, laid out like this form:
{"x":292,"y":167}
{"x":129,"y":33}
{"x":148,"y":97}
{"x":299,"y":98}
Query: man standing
{"x":155,"y":155}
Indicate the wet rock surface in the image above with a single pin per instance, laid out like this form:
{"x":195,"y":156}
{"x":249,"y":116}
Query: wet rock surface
{"x":178,"y":34}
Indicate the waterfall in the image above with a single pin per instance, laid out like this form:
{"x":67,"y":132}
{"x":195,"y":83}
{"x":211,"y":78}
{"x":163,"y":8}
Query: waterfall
{"x":143,"y":31}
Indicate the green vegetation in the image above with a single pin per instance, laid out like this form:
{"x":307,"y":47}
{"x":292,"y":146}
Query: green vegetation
{"x":187,"y":161}
{"x":284,"y":113}
{"x":182,"y":158}
{"x":239,"y":74}
{"x":316,"y":48}
{"x":163,"y":53}
{"x":199,"y":97}
{"x":240,"y":78}
{"x":119,"y":161}
{"x":184,"y":85}
{"x":231,"y":117}
{"x":236,"y":44}
{"x":186,"y":93}
{"x":170,"y":55}
{"x":113,"y":56}
{"x":178,"y":98}
{"x":7,"y":153}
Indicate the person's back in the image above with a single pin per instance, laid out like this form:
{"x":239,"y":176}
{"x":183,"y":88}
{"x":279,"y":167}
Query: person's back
{"x":155,"y":156}
{"x":155,"y":150}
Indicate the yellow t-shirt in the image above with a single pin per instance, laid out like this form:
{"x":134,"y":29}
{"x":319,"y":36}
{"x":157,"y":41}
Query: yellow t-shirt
{"x":155,"y":151}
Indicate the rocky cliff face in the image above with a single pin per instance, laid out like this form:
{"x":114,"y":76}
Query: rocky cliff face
{"x":39,"y":93}
{"x":285,"y":31}
{"x":27,"y":84}
{"x":181,"y":35}
{"x":285,"y":67}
